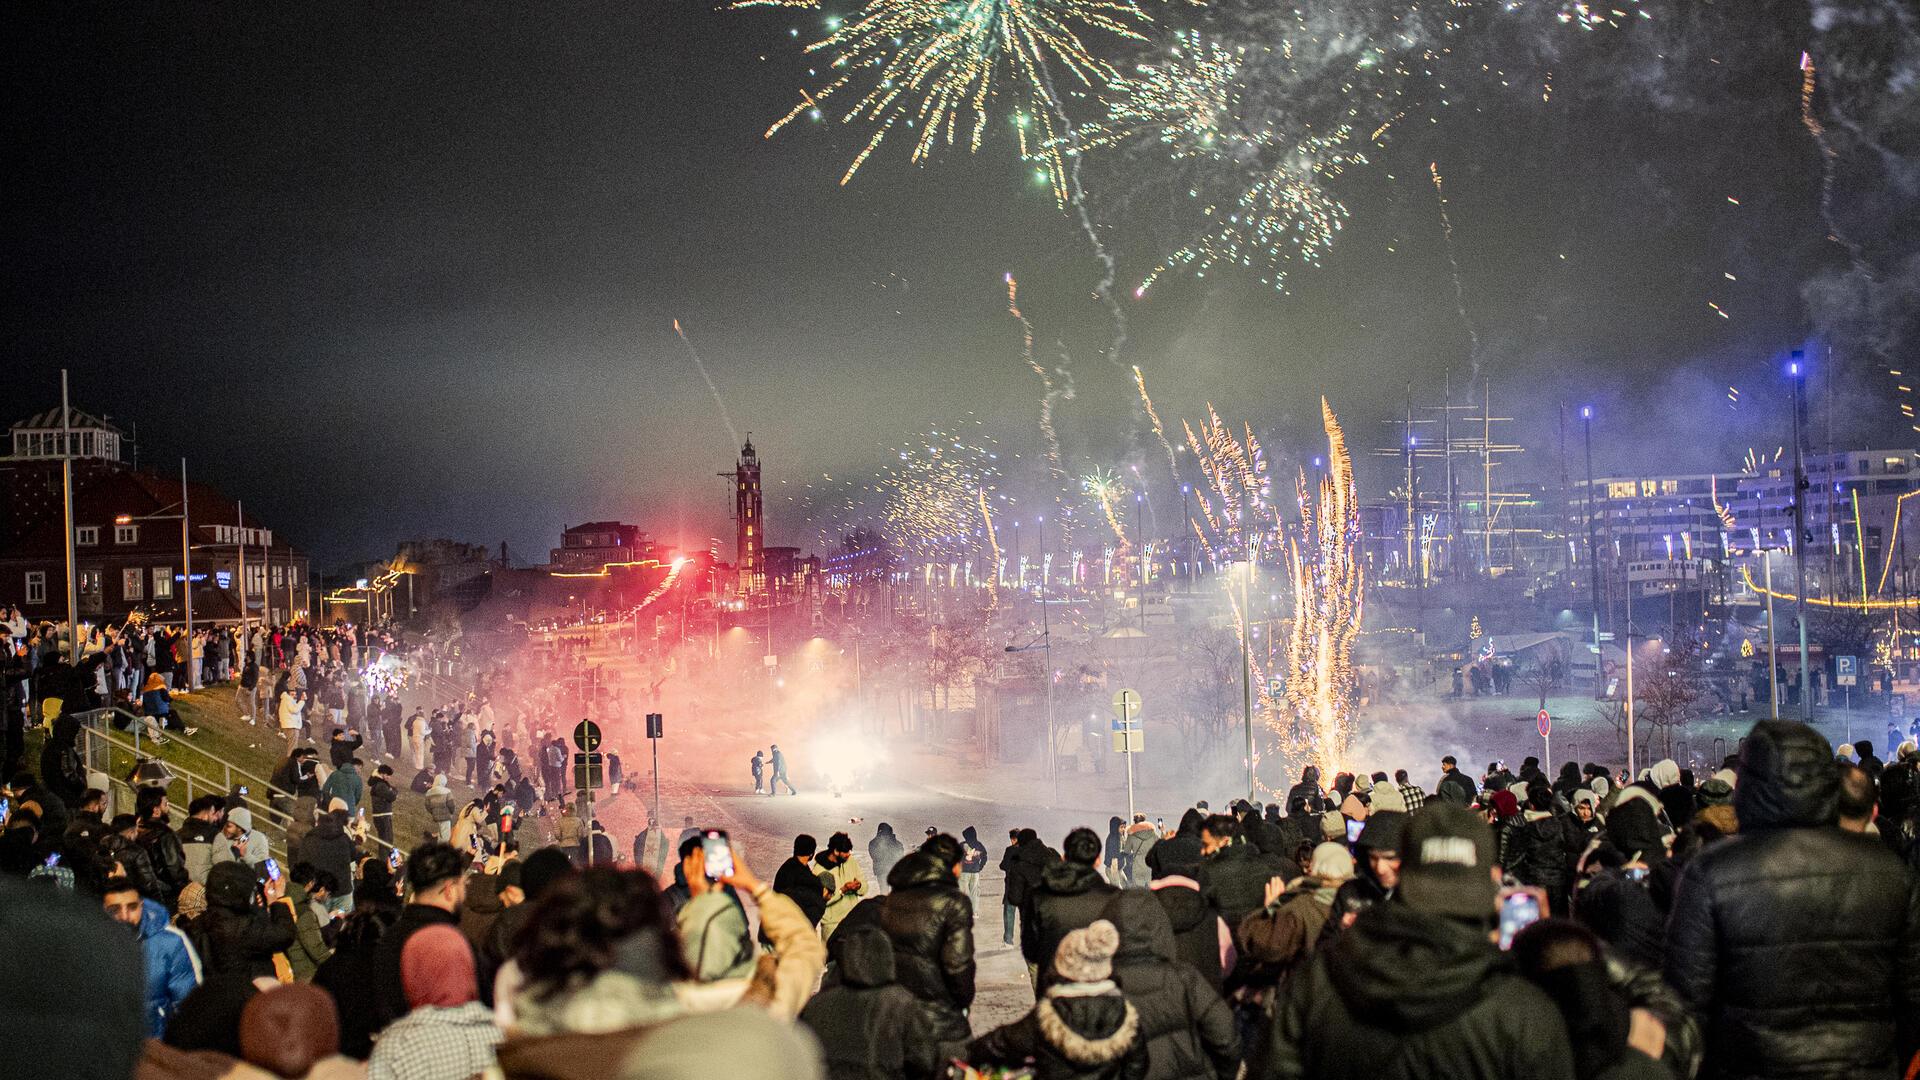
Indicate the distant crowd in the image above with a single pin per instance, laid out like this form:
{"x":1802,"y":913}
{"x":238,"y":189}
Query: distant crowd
{"x":1761,"y":921}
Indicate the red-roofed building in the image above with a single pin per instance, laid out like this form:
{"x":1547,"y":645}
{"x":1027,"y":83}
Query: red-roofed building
{"x":127,"y":536}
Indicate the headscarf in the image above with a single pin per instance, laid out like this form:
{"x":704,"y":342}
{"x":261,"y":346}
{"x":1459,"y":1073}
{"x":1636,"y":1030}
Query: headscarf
{"x":289,"y":1029}
{"x":436,"y":968}
{"x":193,"y":900}
{"x":1505,"y":805}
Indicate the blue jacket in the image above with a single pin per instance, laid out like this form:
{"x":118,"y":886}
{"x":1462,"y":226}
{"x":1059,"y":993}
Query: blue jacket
{"x":156,"y":703}
{"x":172,"y":969}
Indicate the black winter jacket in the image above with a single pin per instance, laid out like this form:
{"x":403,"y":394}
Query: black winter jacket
{"x":1196,"y":931}
{"x":1407,"y":994}
{"x":1070,"y":1038}
{"x":1541,"y":854}
{"x":1234,"y":880}
{"x":168,"y":858}
{"x":243,"y":942}
{"x":329,"y":848}
{"x":870,"y":1027}
{"x":929,"y":923}
{"x":1798,"y":944}
{"x":1024,"y":863}
{"x":800,"y":883}
{"x":1187,"y":1026}
{"x":1070,"y":896}
{"x":1179,"y":854}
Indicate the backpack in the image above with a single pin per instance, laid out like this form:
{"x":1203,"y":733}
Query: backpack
{"x":422,"y":780}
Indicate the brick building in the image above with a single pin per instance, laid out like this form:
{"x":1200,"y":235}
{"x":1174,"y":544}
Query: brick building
{"x":129,"y":551}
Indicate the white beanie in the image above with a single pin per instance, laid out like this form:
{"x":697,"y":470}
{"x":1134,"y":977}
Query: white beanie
{"x":1331,"y":861}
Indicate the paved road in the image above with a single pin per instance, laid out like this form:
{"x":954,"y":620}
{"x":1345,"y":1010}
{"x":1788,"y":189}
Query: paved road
{"x":763,"y":829}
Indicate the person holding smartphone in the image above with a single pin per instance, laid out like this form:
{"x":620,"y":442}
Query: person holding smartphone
{"x":840,"y":876}
{"x":1460,"y":1008}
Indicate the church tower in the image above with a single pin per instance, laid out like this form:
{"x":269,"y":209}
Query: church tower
{"x":750,"y":540}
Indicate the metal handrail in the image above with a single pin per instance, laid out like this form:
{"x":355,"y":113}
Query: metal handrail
{"x":94,"y":718}
{"x":264,"y":811}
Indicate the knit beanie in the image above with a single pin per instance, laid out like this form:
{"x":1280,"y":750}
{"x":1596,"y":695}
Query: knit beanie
{"x":1716,"y":792}
{"x":1331,"y":862}
{"x":1086,"y":955}
{"x":242,"y":819}
{"x":1333,"y":825}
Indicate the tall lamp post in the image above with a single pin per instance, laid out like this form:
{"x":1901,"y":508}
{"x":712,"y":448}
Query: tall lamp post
{"x":186,"y":553}
{"x":1797,"y":372}
{"x":1045,"y":645}
{"x":1593,"y":564}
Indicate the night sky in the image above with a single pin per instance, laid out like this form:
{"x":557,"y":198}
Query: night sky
{"x":407,"y":270}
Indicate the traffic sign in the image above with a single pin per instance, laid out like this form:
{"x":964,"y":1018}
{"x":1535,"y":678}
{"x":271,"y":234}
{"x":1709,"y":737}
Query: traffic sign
{"x":1126,"y":703}
{"x":586,"y":736}
{"x":1131,"y":741}
{"x":1846,"y":670}
{"x":1544,"y":723}
{"x":655,"y":726}
{"x":588,"y":772}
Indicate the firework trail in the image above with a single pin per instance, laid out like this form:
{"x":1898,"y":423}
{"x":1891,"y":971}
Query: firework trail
{"x":732,"y":433}
{"x":1076,"y":197}
{"x":1160,"y":432}
{"x":1047,"y":395}
{"x":993,"y":561}
{"x":1459,"y":293}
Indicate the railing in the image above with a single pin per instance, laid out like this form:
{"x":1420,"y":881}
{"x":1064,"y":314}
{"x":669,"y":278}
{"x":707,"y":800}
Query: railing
{"x":101,"y":742}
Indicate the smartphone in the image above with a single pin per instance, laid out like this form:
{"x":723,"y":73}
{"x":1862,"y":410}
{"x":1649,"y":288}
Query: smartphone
{"x":52,"y":861}
{"x":1518,"y":910}
{"x":393,"y":859}
{"x":243,"y":789}
{"x":719,"y":853}
{"x":1635,"y":873}
{"x":273,"y":869}
{"x":6,"y":807}
{"x":1353,"y":830}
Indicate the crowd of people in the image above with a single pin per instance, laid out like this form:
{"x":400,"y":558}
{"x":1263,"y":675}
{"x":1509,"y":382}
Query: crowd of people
{"x":1763,"y":921}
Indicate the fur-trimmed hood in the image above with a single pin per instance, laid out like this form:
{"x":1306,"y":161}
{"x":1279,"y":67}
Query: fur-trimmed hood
{"x":1072,"y":1015}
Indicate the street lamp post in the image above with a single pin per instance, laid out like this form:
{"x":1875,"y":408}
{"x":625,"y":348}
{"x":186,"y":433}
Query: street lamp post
{"x":1796,"y":371}
{"x":1593,"y":565}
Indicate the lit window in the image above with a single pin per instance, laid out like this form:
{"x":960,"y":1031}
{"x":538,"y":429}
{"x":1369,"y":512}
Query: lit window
{"x":86,"y":535}
{"x":90,"y":583}
{"x":36,"y":586}
{"x":163,"y":583}
{"x":132,"y":583}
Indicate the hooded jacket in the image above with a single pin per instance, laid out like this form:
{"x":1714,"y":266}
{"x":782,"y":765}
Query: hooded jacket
{"x":1402,"y":987}
{"x":239,"y":938}
{"x":1186,"y":1025}
{"x":1234,"y":879}
{"x":1070,"y":896}
{"x":870,"y":1027}
{"x":885,"y":851}
{"x":1077,"y":1031}
{"x":929,"y":924}
{"x":1179,"y":854}
{"x":309,"y":949}
{"x":346,"y":785}
{"x":172,"y":969}
{"x":1797,"y":944}
{"x":1198,"y":932}
{"x":329,"y":848}
{"x":1024,"y":863}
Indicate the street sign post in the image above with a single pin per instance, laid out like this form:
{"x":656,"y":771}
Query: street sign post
{"x":1544,"y":723}
{"x":1128,"y":739}
{"x":1846,"y":674}
{"x":656,"y":730}
{"x":586,"y":777}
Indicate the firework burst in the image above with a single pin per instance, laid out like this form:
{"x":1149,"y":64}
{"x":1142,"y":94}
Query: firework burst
{"x":936,"y":67}
{"x":1328,"y":582}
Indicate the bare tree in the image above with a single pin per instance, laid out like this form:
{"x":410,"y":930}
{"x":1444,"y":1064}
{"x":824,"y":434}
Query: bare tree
{"x":1674,"y":691}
